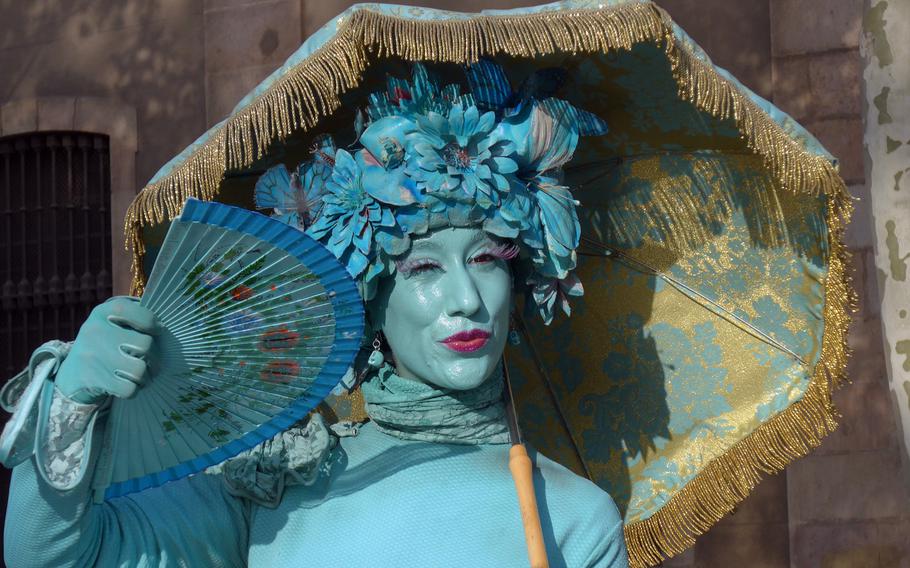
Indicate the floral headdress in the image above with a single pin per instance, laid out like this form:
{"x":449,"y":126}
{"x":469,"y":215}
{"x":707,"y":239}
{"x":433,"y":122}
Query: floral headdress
{"x":432,"y":156}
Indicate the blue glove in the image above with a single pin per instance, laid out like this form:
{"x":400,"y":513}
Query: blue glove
{"x":109,"y":354}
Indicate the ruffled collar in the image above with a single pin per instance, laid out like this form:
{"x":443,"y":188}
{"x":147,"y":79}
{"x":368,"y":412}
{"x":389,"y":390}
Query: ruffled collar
{"x":414,"y":410}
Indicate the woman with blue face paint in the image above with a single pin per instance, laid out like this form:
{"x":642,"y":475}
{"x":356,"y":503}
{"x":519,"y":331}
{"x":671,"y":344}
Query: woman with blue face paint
{"x":446,"y":312}
{"x":441,"y":214}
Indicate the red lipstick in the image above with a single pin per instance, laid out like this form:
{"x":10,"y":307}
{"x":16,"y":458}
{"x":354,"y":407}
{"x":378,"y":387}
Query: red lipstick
{"x":467,"y":341}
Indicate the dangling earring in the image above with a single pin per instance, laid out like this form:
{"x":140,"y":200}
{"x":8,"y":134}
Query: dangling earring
{"x":514,"y":338}
{"x":376,"y":358}
{"x":374,"y":362}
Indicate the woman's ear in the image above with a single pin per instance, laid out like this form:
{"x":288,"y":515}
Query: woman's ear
{"x":376,"y":308}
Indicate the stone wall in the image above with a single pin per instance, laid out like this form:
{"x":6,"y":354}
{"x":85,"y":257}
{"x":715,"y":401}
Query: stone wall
{"x":886,"y":75}
{"x":848,"y":503}
{"x":845,"y":504}
{"x":183,"y":64}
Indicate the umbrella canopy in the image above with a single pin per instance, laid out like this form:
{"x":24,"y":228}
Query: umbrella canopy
{"x":712,"y":329}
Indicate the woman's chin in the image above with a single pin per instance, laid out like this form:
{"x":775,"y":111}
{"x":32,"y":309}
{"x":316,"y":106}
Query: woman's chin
{"x":462,"y":374}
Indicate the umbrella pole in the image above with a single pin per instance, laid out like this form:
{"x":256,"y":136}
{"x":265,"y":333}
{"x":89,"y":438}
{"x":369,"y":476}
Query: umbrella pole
{"x":522,"y":473}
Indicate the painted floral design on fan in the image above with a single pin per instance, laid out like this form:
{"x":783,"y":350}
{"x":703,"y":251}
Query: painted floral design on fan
{"x":243,"y":320}
{"x":241,"y":292}
{"x":280,"y":372}
{"x":278,"y":339}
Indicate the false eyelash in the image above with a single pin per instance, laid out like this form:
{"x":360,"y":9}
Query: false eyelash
{"x":408,"y":266}
{"x":504,"y":251}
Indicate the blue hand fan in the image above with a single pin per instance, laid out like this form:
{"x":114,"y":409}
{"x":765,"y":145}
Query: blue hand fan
{"x":258,"y":322}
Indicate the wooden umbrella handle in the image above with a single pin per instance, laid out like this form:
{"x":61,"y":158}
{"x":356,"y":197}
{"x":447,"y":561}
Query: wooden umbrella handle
{"x":520,"y":466}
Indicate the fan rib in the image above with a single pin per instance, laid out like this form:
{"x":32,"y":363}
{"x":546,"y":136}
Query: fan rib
{"x":293,"y":283}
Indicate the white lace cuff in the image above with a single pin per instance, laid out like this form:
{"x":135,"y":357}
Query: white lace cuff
{"x":46,"y":423}
{"x":297,"y":456}
{"x":63,"y":446}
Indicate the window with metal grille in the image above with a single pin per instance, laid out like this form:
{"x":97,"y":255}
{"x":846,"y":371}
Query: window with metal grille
{"x":56,"y":238}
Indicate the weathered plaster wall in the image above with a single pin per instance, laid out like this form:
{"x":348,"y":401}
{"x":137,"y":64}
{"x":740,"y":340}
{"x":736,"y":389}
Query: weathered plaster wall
{"x":886,"y":52}
{"x":143,"y":54}
{"x":846,"y":504}
{"x":148,"y":54}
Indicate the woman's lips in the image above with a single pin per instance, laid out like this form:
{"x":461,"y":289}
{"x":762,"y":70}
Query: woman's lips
{"x":467,"y":341}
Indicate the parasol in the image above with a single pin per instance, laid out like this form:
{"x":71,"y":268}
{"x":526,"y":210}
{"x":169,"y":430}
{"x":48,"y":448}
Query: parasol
{"x":712,"y":329}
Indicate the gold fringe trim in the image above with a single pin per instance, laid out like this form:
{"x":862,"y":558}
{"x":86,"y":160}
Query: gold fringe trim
{"x":796,"y":431}
{"x":311,"y":90}
{"x":792,"y":434}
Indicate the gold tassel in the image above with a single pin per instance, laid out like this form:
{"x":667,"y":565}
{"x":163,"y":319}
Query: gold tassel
{"x":796,"y":431}
{"x":312,"y":89}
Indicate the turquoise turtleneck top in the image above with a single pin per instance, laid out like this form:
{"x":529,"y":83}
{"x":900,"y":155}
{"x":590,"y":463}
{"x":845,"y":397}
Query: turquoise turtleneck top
{"x":432,"y":492}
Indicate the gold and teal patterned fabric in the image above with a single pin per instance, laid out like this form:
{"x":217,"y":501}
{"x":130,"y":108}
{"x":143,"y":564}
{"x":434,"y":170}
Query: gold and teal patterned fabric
{"x":711,"y":332}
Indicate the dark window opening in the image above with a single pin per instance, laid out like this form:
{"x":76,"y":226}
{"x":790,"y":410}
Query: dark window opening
{"x":56,"y":235}
{"x":55,"y":244}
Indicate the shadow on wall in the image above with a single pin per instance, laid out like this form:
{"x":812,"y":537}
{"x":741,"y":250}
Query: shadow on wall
{"x":150,"y":55}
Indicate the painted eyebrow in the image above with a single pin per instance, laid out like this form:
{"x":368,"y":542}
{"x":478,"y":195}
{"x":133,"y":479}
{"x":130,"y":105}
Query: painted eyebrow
{"x":430,"y":245}
{"x":425,"y":245}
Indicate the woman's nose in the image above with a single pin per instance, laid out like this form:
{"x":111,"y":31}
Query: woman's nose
{"x":461,"y":293}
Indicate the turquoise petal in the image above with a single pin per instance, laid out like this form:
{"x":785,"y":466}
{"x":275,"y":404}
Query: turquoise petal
{"x":498,"y":226}
{"x":412,"y":219}
{"x":505,"y":165}
{"x":354,"y":260}
{"x":393,"y":187}
{"x":363,"y":237}
{"x":392,"y":240}
{"x":560,"y":219}
{"x":384,"y":136}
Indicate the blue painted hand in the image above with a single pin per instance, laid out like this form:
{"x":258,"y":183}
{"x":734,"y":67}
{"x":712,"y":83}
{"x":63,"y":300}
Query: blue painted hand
{"x":109,"y":354}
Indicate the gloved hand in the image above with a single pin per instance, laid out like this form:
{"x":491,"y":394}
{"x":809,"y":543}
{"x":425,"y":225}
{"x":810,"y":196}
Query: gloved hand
{"x":108,"y":356}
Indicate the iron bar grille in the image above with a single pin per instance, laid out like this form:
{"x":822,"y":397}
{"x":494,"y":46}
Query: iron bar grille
{"x":56,"y":238}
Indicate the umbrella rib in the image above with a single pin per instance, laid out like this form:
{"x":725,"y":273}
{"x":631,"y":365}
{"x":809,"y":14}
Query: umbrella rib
{"x":720,"y":310}
{"x":552,"y":392}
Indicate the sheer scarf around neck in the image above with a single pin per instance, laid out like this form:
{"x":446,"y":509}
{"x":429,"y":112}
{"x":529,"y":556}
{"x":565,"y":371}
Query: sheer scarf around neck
{"x":414,"y":410}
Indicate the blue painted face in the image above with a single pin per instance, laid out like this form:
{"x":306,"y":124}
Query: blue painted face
{"x":445,"y":313}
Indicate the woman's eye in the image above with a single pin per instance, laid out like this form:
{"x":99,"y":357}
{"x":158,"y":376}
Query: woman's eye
{"x":411,"y":268}
{"x":423,"y":267}
{"x":483,"y":258}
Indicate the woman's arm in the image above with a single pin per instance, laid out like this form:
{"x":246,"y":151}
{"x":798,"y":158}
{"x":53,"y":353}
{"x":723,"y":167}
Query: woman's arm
{"x":51,"y":519}
{"x":190,"y":522}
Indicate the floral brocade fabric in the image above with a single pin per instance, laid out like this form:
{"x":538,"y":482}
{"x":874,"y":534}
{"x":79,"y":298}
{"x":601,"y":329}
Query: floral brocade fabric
{"x":696,"y":344}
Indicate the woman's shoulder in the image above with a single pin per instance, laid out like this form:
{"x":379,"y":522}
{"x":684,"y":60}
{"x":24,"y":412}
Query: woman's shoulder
{"x":566,"y":484}
{"x":583,"y":516}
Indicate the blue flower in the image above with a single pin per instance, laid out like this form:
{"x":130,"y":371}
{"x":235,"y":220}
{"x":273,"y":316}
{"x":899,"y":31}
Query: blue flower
{"x":545,"y":136}
{"x":296,"y":197}
{"x":517,"y":217}
{"x":418,"y":96}
{"x":457,"y":157}
{"x":548,"y":292}
{"x":351,"y":218}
